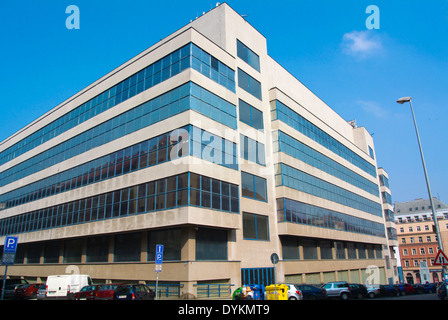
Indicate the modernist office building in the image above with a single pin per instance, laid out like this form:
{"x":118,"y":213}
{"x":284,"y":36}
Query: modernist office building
{"x":205,"y":144}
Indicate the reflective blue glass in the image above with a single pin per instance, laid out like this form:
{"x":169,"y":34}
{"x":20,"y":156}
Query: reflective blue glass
{"x":281,"y":112}
{"x":287,"y":144}
{"x":157,"y":109}
{"x":170,"y":192}
{"x":298,"y":212}
{"x":301,"y":181}
{"x":144,"y":79}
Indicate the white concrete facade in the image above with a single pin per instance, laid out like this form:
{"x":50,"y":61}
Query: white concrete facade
{"x":216,"y":33}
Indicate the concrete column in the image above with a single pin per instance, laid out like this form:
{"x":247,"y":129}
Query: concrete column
{"x":188,"y":253}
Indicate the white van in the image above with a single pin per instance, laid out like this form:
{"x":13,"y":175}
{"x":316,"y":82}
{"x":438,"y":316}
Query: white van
{"x":65,"y":286}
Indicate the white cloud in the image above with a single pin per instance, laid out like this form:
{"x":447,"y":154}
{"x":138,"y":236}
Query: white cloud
{"x":374,"y":108}
{"x":362,"y":44}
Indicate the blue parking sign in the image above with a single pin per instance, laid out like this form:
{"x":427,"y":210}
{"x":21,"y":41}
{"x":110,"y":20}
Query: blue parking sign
{"x":10,"y":245}
{"x":159,"y":254}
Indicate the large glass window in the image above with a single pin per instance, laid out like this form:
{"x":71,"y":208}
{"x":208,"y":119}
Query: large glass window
{"x":127,"y":247}
{"x":255,"y":226}
{"x":211,"y":244}
{"x":171,"y":192}
{"x":247,"y":55}
{"x":73,"y":250}
{"x":252,"y":150}
{"x":284,"y":143}
{"x":162,"y":148}
{"x":97,"y":249}
{"x":212,"y":68}
{"x":253,"y":186}
{"x":249,"y":84}
{"x":52,"y":251}
{"x":250,"y":115}
{"x":301,"y":181}
{"x":309,"y":249}
{"x":171,"y":241}
{"x":290,"y":248}
{"x":289,"y":210}
{"x":281,"y":112}
{"x":146,"y":78}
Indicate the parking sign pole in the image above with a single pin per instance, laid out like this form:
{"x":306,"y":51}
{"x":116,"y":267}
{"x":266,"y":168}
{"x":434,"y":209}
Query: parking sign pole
{"x":4,"y":280}
{"x":157,"y":284}
{"x":158,"y":265}
{"x":9,"y":253}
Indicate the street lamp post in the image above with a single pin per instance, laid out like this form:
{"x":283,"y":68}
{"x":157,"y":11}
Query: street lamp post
{"x":439,"y":240}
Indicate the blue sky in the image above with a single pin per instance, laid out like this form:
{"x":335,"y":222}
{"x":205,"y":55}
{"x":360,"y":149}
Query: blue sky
{"x":358,"y":72}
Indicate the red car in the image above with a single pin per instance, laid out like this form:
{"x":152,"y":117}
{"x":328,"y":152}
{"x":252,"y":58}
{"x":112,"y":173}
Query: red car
{"x":409,"y":289}
{"x":106,"y":292}
{"x":27,"y":291}
{"x":87,"y":292}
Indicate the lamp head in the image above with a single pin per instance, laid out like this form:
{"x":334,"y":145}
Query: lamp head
{"x":403,"y":100}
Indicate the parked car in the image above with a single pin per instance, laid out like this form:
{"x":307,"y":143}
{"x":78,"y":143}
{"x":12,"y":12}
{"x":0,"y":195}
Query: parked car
{"x":441,"y":291}
{"x":338,"y":289}
{"x":401,"y":289}
{"x":310,"y":292}
{"x":294,"y":293}
{"x":133,"y":292}
{"x":419,"y":289}
{"x":389,"y":291}
{"x":430,"y":287}
{"x":409,"y":288}
{"x":11,"y":281}
{"x":87,"y":292}
{"x":27,"y":291}
{"x":10,"y":290}
{"x":357,"y":290}
{"x":42,"y":292}
{"x":373,"y":291}
{"x":106,"y":292}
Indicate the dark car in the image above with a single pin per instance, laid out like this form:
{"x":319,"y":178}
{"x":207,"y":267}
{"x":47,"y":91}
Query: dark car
{"x":441,"y":291}
{"x":27,"y":291}
{"x":133,"y":292}
{"x":87,"y":292}
{"x":418,"y":288}
{"x":310,"y":292}
{"x":430,"y":287}
{"x":400,"y":289}
{"x":10,"y":291}
{"x":389,"y":291}
{"x":11,"y":281}
{"x":106,"y":292}
{"x":358,"y":291}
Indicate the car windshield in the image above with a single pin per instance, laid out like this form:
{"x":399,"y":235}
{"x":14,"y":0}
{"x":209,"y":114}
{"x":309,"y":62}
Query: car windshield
{"x":24,"y":286}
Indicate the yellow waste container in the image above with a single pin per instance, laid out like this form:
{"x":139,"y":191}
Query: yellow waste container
{"x":282,"y":292}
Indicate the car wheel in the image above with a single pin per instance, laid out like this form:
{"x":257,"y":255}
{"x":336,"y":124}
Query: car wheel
{"x":344,"y":296}
{"x":371,"y":295}
{"x":292,"y":298}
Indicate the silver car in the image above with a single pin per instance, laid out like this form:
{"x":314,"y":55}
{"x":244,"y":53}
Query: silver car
{"x":338,"y":289}
{"x":373,"y":290}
